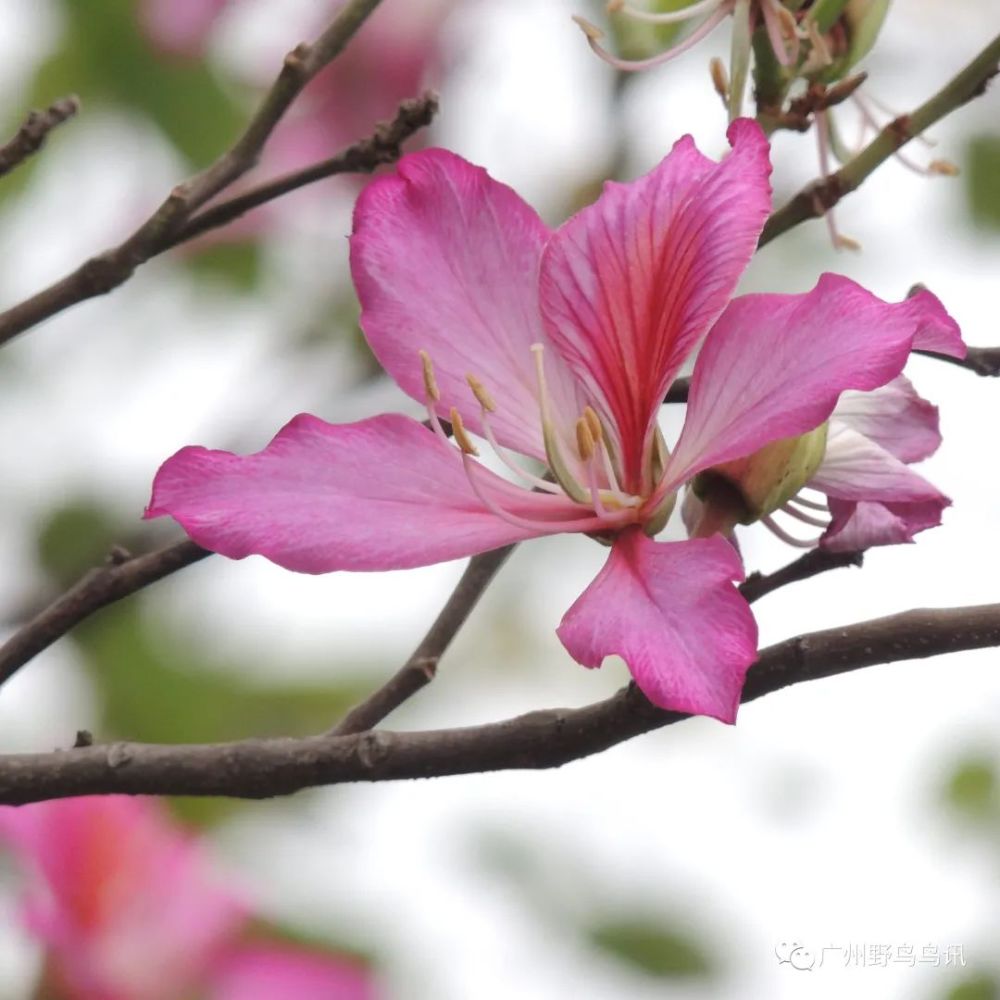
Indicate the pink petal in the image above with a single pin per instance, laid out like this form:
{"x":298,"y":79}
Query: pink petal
{"x":445,"y":260}
{"x":861,"y":525}
{"x":383,"y":493}
{"x":631,"y":283}
{"x":856,"y":468}
{"x":774,"y":366}
{"x":670,"y":610}
{"x":267,"y":972}
{"x":180,"y":26}
{"x":936,"y":330}
{"x":895,"y":417}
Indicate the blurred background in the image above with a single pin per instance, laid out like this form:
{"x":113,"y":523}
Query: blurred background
{"x":840,"y":816}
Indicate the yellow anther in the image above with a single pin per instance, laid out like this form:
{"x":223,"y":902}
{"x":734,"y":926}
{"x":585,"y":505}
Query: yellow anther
{"x":594,"y":424}
{"x":613,"y":6}
{"x":479,"y":391}
{"x":592,"y":32}
{"x":584,"y":439}
{"x":461,"y":435}
{"x":846,"y":243}
{"x":720,"y":78}
{"x":430,"y":383}
{"x":944,"y":167}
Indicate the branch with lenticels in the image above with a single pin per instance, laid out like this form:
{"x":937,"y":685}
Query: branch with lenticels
{"x":257,"y":768}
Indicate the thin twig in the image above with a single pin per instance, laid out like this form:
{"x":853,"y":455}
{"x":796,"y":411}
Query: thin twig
{"x":981,"y":360}
{"x":31,"y":136}
{"x":265,"y":768}
{"x":811,"y":563}
{"x":383,"y":146}
{"x":120,"y":576}
{"x":112,"y":268}
{"x":817,"y":198}
{"x":420,"y":668}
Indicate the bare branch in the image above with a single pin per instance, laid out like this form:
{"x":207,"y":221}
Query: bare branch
{"x":266,"y":768}
{"x":420,"y":668}
{"x":811,"y":563}
{"x":120,"y":576}
{"x":112,"y":268}
{"x":981,"y":360}
{"x":31,"y":136}
{"x":817,"y":198}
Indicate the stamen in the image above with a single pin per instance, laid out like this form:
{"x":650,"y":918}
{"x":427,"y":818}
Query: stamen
{"x":594,"y":36}
{"x":818,"y":42}
{"x":461,"y":435}
{"x":594,"y":423}
{"x":479,"y":391}
{"x":776,"y":23}
{"x":667,"y":17}
{"x":430,"y":383}
{"x":840,"y":242}
{"x":803,"y":517}
{"x":584,"y":440}
{"x":798,"y":543}
{"x":811,"y":504}
{"x":720,"y":78}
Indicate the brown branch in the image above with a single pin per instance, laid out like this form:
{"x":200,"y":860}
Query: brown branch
{"x":120,"y":576}
{"x":981,"y":360}
{"x":817,"y":198}
{"x":264,"y":768}
{"x":112,"y":268}
{"x":420,"y":668}
{"x":678,"y":391}
{"x":383,"y":146}
{"x":812,"y":563}
{"x":31,"y":136}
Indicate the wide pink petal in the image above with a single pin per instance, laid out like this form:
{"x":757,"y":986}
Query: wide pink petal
{"x":445,"y":259}
{"x":856,"y":468}
{"x":893,"y":416}
{"x":384,"y":493}
{"x":774,"y":366}
{"x":936,"y":330}
{"x":267,"y":972}
{"x":859,"y":525}
{"x":670,"y":610}
{"x":631,"y":283}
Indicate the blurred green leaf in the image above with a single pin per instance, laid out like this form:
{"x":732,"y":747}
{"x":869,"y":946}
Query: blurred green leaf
{"x":980,"y":986}
{"x":74,"y":539}
{"x":237,"y":265}
{"x":105,"y":58}
{"x":653,"y":947}
{"x":982,"y":180}
{"x":971,"y":789}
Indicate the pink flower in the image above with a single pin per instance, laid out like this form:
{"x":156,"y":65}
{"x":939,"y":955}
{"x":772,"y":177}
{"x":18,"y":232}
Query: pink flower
{"x":129,"y":908}
{"x":560,"y":345}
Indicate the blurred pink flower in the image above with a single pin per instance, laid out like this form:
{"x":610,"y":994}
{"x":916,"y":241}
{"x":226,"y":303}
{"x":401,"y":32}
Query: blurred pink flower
{"x":180,"y":27}
{"x":129,"y":908}
{"x":565,"y":343}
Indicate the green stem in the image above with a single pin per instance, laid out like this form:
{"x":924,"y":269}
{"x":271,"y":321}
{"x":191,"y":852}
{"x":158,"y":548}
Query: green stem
{"x":817,"y":198}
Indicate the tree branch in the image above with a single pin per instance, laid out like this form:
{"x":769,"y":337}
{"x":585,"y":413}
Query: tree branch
{"x":817,"y":198}
{"x":120,"y":576}
{"x":265,"y":768}
{"x":420,"y":668}
{"x":812,"y":563}
{"x":112,"y":268}
{"x":31,"y":136}
{"x":981,"y":360}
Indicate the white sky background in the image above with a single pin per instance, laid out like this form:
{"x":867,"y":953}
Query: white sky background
{"x":814,"y":819}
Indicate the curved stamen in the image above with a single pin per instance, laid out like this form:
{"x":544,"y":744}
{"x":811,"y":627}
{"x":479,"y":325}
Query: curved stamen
{"x":779,"y":32}
{"x":594,"y":36}
{"x":803,"y":517}
{"x":432,"y":395}
{"x":802,"y":501}
{"x":667,"y":17}
{"x":799,"y":543}
{"x":473,"y":469}
{"x":840,"y":242}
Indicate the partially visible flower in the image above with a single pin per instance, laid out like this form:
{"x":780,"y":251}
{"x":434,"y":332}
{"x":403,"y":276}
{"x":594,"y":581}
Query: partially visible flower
{"x":128,"y":907}
{"x":561,"y":345}
{"x":859,"y":460}
{"x":180,"y":27}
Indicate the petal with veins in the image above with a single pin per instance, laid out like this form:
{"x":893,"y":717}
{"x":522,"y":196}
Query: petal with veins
{"x":383,"y":493}
{"x":631,"y":283}
{"x":774,"y":366}
{"x":894,"y":417}
{"x":445,"y":259}
{"x":670,"y":610}
{"x":860,"y":525}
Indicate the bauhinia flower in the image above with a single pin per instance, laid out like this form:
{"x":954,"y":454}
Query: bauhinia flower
{"x":128,"y":907}
{"x":560,"y":346}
